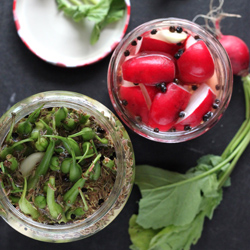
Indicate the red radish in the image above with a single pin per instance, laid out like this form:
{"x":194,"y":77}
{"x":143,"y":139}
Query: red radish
{"x":190,"y":41}
{"x":199,"y":105}
{"x":134,"y":101}
{"x":167,"y":106}
{"x":237,"y":50}
{"x":238,"y":53}
{"x":153,"y":44}
{"x":196,"y":64}
{"x":149,"y":68}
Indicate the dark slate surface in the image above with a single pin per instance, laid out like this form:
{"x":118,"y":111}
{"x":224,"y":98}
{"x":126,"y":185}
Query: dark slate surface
{"x":23,"y":74}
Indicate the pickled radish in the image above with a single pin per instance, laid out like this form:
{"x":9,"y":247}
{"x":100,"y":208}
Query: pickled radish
{"x":149,"y":68}
{"x":160,"y":74}
{"x":196,"y":64}
{"x":197,"y":109}
{"x":167,"y":106}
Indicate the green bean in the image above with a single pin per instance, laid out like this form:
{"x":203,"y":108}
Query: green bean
{"x":9,"y":149}
{"x":76,"y":213}
{"x":55,"y":210}
{"x":43,"y":166}
{"x":55,"y":163}
{"x":60,"y":115}
{"x":88,"y":134}
{"x":71,"y":195}
{"x":25,"y":127}
{"x":13,"y":162}
{"x":25,"y":206}
{"x":40,"y":201}
{"x":41,"y":144}
{"x":70,"y":123}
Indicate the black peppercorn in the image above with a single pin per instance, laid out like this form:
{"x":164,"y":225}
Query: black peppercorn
{"x":136,"y":83}
{"x":217,"y":87}
{"x":177,"y":56}
{"x":134,"y":43}
{"x":215,"y":106}
{"x":182,"y":114}
{"x":72,"y":216}
{"x":176,"y":81}
{"x":187,"y":127}
{"x":172,"y":29}
{"x":194,"y":87}
{"x":156,"y":130}
{"x":217,"y":101}
{"x":124,"y":103}
{"x":126,"y":53}
{"x":179,"y":29}
{"x":139,"y":38}
{"x":154,"y":31}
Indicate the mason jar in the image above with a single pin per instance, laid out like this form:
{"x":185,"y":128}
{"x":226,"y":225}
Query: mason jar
{"x":124,"y":177}
{"x":222,"y":75}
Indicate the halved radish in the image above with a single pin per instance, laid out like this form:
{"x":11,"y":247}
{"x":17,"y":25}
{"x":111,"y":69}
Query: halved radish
{"x":200,"y":104}
{"x":135,"y":101}
{"x":196,"y":64}
{"x":154,"y":44}
{"x":149,"y":68}
{"x":167,"y":106}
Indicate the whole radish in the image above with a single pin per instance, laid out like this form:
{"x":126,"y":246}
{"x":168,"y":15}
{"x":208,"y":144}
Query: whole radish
{"x":235,"y":47}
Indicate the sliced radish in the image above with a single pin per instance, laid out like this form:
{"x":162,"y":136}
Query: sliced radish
{"x":196,"y":64}
{"x":134,"y":100}
{"x":149,"y":68}
{"x":167,"y":106}
{"x":190,"y":41}
{"x":199,"y":105}
{"x":154,"y":44}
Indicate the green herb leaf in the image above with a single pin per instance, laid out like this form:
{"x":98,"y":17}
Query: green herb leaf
{"x":139,"y":236}
{"x":101,"y":13}
{"x":163,"y":202}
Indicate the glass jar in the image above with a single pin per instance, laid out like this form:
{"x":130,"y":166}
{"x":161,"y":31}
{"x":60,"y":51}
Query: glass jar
{"x":223,"y":70}
{"x":123,"y":183}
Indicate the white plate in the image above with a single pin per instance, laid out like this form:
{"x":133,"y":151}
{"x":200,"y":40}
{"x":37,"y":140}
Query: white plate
{"x":57,"y":39}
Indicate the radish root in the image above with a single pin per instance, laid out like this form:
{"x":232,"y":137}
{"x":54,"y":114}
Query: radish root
{"x":213,"y":17}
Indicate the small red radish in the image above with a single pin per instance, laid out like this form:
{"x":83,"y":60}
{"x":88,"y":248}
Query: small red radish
{"x":238,"y":53}
{"x":199,"y":105}
{"x":149,"y":68}
{"x":154,"y":44}
{"x":166,"y":107}
{"x":134,"y":100}
{"x":196,"y":64}
{"x":237,"y":50}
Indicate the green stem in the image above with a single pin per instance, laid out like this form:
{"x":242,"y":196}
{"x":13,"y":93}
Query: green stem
{"x":75,"y":2}
{"x":86,"y":208}
{"x":229,"y":170}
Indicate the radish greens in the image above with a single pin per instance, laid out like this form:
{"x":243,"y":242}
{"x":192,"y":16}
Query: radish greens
{"x":174,"y":206}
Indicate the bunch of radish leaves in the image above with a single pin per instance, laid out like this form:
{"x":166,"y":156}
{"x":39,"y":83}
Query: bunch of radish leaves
{"x":174,"y":206}
{"x":101,"y":12}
